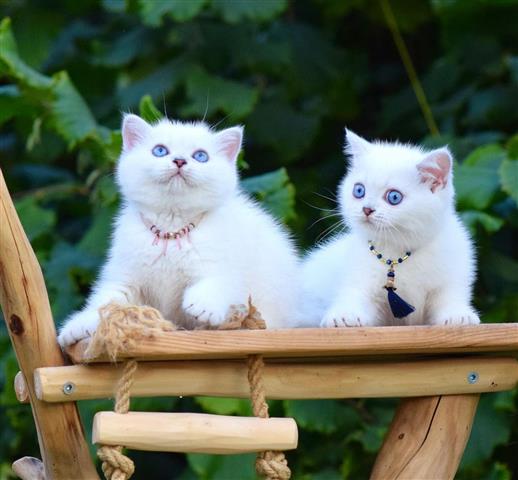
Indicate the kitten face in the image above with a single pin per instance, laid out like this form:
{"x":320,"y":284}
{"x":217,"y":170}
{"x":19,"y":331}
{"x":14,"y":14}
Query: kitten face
{"x":174,"y":166}
{"x":395,"y":193}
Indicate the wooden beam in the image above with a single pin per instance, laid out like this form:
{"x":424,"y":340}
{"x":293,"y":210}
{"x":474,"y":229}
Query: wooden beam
{"x":427,"y":438}
{"x":284,"y":380}
{"x":318,"y":342}
{"x":194,"y":432}
{"x":30,"y":325}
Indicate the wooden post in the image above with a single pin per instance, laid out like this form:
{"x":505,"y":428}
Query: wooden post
{"x":29,"y":321}
{"x":427,"y":438}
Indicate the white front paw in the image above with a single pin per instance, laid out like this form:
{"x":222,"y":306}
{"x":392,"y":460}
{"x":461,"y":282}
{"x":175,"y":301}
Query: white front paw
{"x":338,"y":316}
{"x":203,"y":302}
{"x":462,"y":316}
{"x":78,"y":326}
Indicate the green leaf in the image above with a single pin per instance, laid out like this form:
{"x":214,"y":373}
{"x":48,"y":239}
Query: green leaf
{"x":209,"y":94}
{"x":225,"y":406}
{"x":35,"y":220}
{"x":491,"y":428}
{"x":180,"y":10}
{"x":148,"y":110}
{"x":512,"y":147}
{"x":473,"y":217}
{"x":96,"y":240}
{"x":67,"y":269}
{"x":476,"y":179}
{"x":275,"y":191}
{"x":71,"y":116}
{"x":16,"y":67}
{"x":223,"y":467}
{"x":279,"y":126}
{"x":509,"y":177}
{"x":325,"y":416}
{"x":234,"y":11}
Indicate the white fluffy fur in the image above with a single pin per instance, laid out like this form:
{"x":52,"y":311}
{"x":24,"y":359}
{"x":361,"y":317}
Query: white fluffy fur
{"x":235,"y":250}
{"x":343,"y":280}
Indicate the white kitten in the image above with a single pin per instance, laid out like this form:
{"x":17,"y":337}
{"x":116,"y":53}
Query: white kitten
{"x":400,"y":198}
{"x":180,"y":180}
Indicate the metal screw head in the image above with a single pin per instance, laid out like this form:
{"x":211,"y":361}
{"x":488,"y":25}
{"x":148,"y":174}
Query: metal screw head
{"x":472,"y":377}
{"x":68,"y":388}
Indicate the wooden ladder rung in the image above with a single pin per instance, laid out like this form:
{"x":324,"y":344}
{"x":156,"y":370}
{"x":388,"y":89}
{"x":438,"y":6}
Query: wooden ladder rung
{"x":194,"y":432}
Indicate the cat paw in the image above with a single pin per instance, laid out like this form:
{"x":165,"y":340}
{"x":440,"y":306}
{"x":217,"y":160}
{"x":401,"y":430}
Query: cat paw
{"x":458,"y":317}
{"x":204,"y":304}
{"x":339,"y":318}
{"x":79,"y":326}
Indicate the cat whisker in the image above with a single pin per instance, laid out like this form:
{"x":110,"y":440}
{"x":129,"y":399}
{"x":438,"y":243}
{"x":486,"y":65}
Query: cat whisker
{"x":325,"y":217}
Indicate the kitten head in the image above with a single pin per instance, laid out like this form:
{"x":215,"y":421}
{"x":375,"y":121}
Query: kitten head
{"x":396,"y":194}
{"x":173,"y":166}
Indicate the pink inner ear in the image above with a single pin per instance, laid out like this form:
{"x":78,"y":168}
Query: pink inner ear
{"x":230,"y":142}
{"x":435,"y":169}
{"x":134,"y":130}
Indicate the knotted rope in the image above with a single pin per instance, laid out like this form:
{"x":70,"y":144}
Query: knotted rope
{"x":270,"y":464}
{"x":120,"y":327}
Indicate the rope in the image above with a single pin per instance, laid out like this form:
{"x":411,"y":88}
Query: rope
{"x":120,"y":327}
{"x":409,"y":67}
{"x":270,"y":464}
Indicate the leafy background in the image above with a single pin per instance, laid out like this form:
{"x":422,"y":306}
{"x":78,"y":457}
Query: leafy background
{"x":294,"y":72}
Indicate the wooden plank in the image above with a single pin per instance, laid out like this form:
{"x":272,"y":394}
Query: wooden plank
{"x":319,"y":342}
{"x":284,"y":380}
{"x":426,"y":439}
{"x":30,"y":325}
{"x":194,"y":432}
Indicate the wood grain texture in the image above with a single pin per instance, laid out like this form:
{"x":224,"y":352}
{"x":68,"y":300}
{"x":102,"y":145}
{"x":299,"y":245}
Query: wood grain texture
{"x":29,"y":321}
{"x":284,"y":380}
{"x":194,"y":432}
{"x":319,"y":342}
{"x":426,"y":439}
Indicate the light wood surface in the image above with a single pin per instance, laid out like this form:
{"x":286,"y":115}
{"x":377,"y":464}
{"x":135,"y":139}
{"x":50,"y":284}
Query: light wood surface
{"x":284,"y":380}
{"x":29,"y":468}
{"x":319,"y":342}
{"x":194,"y":432}
{"x":426,"y":439}
{"x":20,"y":389}
{"x":29,"y":322}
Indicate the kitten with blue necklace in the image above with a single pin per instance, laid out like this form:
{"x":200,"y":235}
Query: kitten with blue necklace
{"x":187,"y":241}
{"x":406,"y":259}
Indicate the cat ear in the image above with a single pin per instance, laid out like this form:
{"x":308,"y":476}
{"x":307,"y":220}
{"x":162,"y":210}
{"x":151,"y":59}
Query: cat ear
{"x":229,"y":142}
{"x":435,"y":169}
{"x":134,"y":129}
{"x":354,"y":144}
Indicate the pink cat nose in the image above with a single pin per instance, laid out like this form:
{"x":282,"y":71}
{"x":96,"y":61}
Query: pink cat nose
{"x":367,"y":211}
{"x":179,"y":162}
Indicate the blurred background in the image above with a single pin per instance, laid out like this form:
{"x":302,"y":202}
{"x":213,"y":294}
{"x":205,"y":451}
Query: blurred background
{"x":295,"y":73}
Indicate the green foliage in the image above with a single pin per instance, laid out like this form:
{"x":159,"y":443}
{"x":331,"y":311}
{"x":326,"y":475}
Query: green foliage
{"x":294,"y":73}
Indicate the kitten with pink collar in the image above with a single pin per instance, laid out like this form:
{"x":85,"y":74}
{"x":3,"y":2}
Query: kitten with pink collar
{"x":187,"y":241}
{"x":407,"y":258}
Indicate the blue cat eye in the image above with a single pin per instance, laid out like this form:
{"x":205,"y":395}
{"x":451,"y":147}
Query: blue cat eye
{"x":160,"y":151}
{"x":359,"y":190}
{"x":200,"y":156}
{"x":394,"y":197}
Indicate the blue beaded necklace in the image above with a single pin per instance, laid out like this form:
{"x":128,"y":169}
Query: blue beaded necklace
{"x":398,"y":306}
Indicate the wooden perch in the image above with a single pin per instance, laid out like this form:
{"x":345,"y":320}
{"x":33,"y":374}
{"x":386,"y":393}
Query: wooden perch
{"x":194,"y":432}
{"x":318,"y":342}
{"x":30,"y":325}
{"x":284,"y":380}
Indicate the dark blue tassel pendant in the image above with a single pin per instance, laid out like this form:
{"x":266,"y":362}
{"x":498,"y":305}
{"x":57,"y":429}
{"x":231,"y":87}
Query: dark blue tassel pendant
{"x":399,"y":307}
